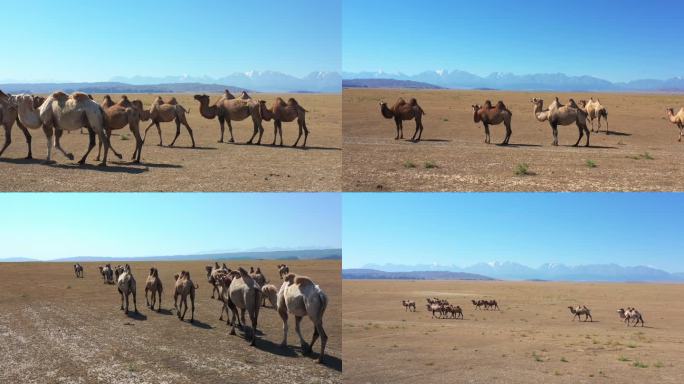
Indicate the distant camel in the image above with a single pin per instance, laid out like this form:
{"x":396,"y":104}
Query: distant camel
{"x":161,"y":112}
{"x":583,"y":310}
{"x":245,"y":294}
{"x":489,"y":115}
{"x":280,"y":112}
{"x":677,"y":119}
{"x":228,"y":109}
{"x":629,"y":314}
{"x":409,"y":305}
{"x":8,"y":116}
{"x":78,"y":270}
{"x":126,"y":286}
{"x":595,"y":111}
{"x":283,"y":270}
{"x":401,"y":111}
{"x":301,"y":297}
{"x":108,"y":274}
{"x":154,"y":285}
{"x":184,"y":287}
{"x":559,"y":114}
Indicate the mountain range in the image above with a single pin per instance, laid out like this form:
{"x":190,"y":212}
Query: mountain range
{"x":552,"y":272}
{"x":373,"y":274}
{"x":457,"y":79}
{"x":300,"y":254}
{"x":116,"y":87}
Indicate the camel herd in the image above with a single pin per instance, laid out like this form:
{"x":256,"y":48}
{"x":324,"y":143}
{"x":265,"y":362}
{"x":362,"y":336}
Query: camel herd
{"x":60,"y":112}
{"x":238,"y":291}
{"x":442,"y":309}
{"x":556,"y":114}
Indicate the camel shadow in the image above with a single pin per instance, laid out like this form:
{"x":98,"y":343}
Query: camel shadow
{"x":136,"y":316}
{"x":165,"y":312}
{"x":275,"y":349}
{"x":331,"y":362}
{"x":591,"y":146}
{"x":21,"y":161}
{"x":108,"y":169}
{"x":144,"y":164}
{"x":429,"y":141}
{"x":189,"y":147}
{"x":519,"y":145}
{"x":616,"y":133}
{"x":201,"y":325}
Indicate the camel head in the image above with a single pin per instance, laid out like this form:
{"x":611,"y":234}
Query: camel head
{"x":290,"y":277}
{"x":175,"y":276}
{"x":201,"y":98}
{"x":5,"y":98}
{"x":386,"y":112}
{"x":151,"y":271}
{"x":265,"y":114}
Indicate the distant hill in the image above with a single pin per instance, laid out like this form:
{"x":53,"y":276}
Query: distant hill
{"x":387,"y":83}
{"x":113,"y":87}
{"x":306,"y":254}
{"x":373,"y":274}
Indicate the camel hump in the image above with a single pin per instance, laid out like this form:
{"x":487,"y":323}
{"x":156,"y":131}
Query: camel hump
{"x":292,"y":101}
{"x":290,"y":277}
{"x":487,"y":104}
{"x":244,"y":95}
{"x":280,"y":101}
{"x":303,"y":281}
{"x":243,"y":272}
{"x":401,"y":100}
{"x":173,"y":101}
{"x":500,"y":105}
{"x":79,"y":96}
{"x":59,"y":95}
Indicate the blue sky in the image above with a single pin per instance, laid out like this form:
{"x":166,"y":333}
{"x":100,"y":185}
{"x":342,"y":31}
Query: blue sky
{"x":95,"y":40}
{"x":48,"y":226}
{"x":531,"y":229}
{"x":614,"y":40}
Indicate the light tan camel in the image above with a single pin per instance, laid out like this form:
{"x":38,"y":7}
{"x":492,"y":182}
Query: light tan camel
{"x":223,"y":283}
{"x":161,"y":112}
{"x":402,"y":111}
{"x":184,"y":287}
{"x":61,"y":112}
{"x":154,"y":285}
{"x":280,"y":112}
{"x":118,"y":116}
{"x":595,"y":111}
{"x":559,"y":114}
{"x":269,"y":292}
{"x":126,"y":286}
{"x":231,"y":109}
{"x":629,"y":314}
{"x":245,"y":294}
{"x":540,"y":113}
{"x":302,"y":297}
{"x":583,"y":310}
{"x":10,"y":115}
{"x":677,"y":120}
{"x":489,"y":115}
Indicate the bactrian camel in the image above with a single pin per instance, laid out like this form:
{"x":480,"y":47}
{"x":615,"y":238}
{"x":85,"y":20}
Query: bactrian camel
{"x":9,"y":115}
{"x":580,"y":310}
{"x":595,"y":111}
{"x":119,"y":115}
{"x":245,"y":294}
{"x":126,"y":286}
{"x":400,"y":111}
{"x":300,"y":297}
{"x":228,"y":109}
{"x":629,"y":314}
{"x":154,"y":286}
{"x":559,"y":114}
{"x":280,"y":112}
{"x":677,"y":120}
{"x":493,"y":115}
{"x":78,"y":270}
{"x":184,"y":288}
{"x":161,"y":112}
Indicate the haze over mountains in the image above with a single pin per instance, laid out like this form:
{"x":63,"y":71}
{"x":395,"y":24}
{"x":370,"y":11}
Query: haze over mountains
{"x":552,"y":272}
{"x":457,"y":79}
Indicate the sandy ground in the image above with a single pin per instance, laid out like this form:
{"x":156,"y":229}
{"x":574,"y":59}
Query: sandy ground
{"x":58,"y":329}
{"x":212,"y":166}
{"x":531,"y":340}
{"x":453,"y":156}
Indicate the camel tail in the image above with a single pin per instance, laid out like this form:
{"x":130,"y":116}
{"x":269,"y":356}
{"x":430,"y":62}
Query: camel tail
{"x":196,"y":286}
{"x":324,"y":302}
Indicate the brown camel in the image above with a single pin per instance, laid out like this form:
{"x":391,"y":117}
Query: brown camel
{"x":288,"y":112}
{"x":154,"y":285}
{"x":228,"y":109}
{"x":161,"y":112}
{"x":677,"y":120}
{"x":118,"y":116}
{"x":8,"y":116}
{"x":402,"y":111}
{"x":489,"y":115}
{"x":184,"y":288}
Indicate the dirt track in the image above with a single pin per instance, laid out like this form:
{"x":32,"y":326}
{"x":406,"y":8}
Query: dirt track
{"x":57,"y":329}
{"x":453,"y":156}
{"x":531,"y":340}
{"x":212,"y":166}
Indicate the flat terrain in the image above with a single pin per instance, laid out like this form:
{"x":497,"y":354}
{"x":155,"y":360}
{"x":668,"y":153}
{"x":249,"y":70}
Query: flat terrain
{"x":640,"y":154}
{"x":58,"y":329}
{"x":531,"y":340}
{"x":212,"y":166}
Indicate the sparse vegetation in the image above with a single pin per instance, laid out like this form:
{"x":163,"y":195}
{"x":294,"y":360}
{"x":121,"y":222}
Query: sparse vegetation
{"x":631,"y":345}
{"x":643,"y":156}
{"x":522,"y":170}
{"x":622,"y":358}
{"x":430,"y":165}
{"x":125,"y":137}
{"x":563,"y":360}
{"x":591,"y":164}
{"x":639,"y":364}
{"x":409,"y":164}
{"x":658,"y":364}
{"x":537,"y":357}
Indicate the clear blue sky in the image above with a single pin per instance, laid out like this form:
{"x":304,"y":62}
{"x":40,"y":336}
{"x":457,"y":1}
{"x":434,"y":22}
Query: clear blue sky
{"x":96,"y":40}
{"x":614,"y":40}
{"x":531,"y":229}
{"x":48,"y":226}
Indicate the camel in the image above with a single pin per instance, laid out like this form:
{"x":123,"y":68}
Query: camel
{"x":454,"y":311}
{"x":489,"y":115}
{"x":228,"y":109}
{"x":78,"y":270}
{"x":583,"y":310}
{"x":154,"y":285}
{"x":126,"y":286}
{"x":301,"y":297}
{"x":213,"y":273}
{"x":559,"y":114}
{"x":119,"y":115}
{"x":435,"y":308}
{"x":283,"y":270}
{"x":8,"y":116}
{"x":280,"y":112}
{"x":677,"y":119}
{"x":161,"y":112}
{"x":629,"y":314}
{"x":401,"y":111}
{"x":223,"y":282}
{"x":245,"y":294}
{"x":258,"y":277}
{"x":595,"y":111}
{"x":184,"y":288}
{"x":61,"y":112}
{"x":270,"y":292}
{"x":107,"y":274}
{"x":409,"y":305}
{"x":118,"y":271}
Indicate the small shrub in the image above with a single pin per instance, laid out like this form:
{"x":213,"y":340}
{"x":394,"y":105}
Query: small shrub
{"x":409,"y":164}
{"x":631,"y":345}
{"x":622,"y":358}
{"x":659,"y":364}
{"x":430,"y":165}
{"x":445,"y":119}
{"x":125,"y":137}
{"x":522,"y":169}
{"x":591,"y":164}
{"x":647,"y":156}
{"x":639,"y":364}
{"x":563,"y":360}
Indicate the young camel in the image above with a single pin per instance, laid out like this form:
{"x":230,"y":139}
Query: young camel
{"x":583,"y":310}
{"x":126,"y":286}
{"x":78,"y":270}
{"x":559,"y":114}
{"x":118,"y":116}
{"x":595,"y":111}
{"x":270,"y":292}
{"x":161,"y":112}
{"x":184,"y":288}
{"x":280,"y":112}
{"x":401,"y":111}
{"x":154,"y":285}
{"x":245,"y":294}
{"x":302,"y":297}
{"x":677,"y":120}
{"x":489,"y":115}
{"x":8,"y":116}
{"x":228,"y":109}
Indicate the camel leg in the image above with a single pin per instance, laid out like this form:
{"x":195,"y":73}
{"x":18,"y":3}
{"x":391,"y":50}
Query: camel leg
{"x":300,"y":134}
{"x":283,"y":316}
{"x":280,"y":132}
{"x":58,"y":145}
{"x":187,"y":127}
{"x":135,"y":304}
{"x":147,"y":129}
{"x":147,"y":301}
{"x":554,"y":129}
{"x":126,"y":311}
{"x":253,"y":317}
{"x":222,"y":126}
{"x":91,"y":144}
{"x":306,"y":133}
{"x":99,"y":148}
{"x":581,"y":134}
{"x":47,"y":129}
{"x":159,"y":303}
{"x":415,"y":134}
{"x":681,"y":131}
{"x":192,"y":302}
{"x":275,"y":132}
{"x":258,"y":128}
{"x":8,"y":138}
{"x":178,"y":125}
{"x":28,"y":138}
{"x":586,"y":130}
{"x":508,"y":133}
{"x":138,"y":146}
{"x":305,"y":347}
{"x":255,"y":130}
{"x":420,"y":133}
{"x":230,"y":130}
{"x":401,"y":129}
{"x":175,"y":303}
{"x":122,"y":299}
{"x":242,"y":315}
{"x":486,"y":127}
{"x":396,"y":137}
